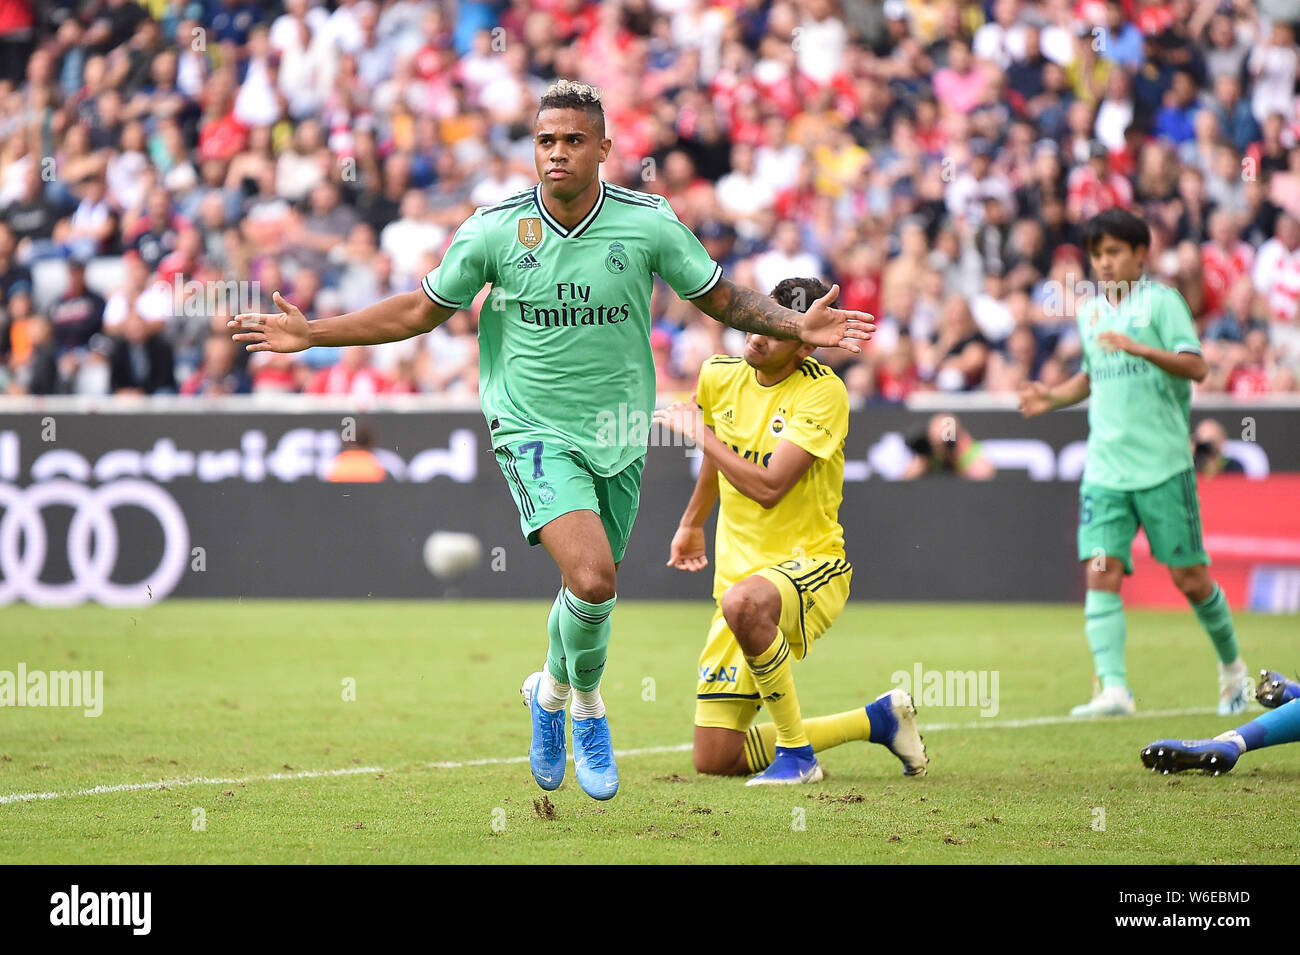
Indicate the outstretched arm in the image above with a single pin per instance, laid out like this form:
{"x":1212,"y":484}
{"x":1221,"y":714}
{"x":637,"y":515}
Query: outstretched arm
{"x":1036,"y":398}
{"x":390,"y":320}
{"x":821,"y":325}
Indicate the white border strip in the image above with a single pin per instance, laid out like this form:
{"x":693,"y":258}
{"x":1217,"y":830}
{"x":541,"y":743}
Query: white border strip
{"x":511,"y":760}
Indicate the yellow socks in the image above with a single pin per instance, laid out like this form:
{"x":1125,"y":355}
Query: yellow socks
{"x":822,"y":732}
{"x":775,"y":678}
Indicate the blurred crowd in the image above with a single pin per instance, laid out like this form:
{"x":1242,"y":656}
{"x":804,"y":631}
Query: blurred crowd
{"x":165,"y":164}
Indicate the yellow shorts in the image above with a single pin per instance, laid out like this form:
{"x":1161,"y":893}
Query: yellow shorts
{"x":813,"y":594}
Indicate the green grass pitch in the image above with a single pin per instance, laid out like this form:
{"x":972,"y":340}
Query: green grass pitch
{"x":248,"y":699}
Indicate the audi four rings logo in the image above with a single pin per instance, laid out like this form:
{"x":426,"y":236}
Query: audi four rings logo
{"x":92,"y":543}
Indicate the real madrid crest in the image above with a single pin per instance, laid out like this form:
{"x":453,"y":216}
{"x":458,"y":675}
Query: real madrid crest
{"x":530,"y":232}
{"x":616,"y":261}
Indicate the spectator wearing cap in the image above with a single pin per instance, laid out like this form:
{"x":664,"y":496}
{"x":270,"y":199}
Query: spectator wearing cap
{"x":78,"y":315}
{"x":719,"y":240}
{"x":92,"y":228}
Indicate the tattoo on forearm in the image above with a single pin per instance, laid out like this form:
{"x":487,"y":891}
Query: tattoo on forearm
{"x":747,"y":310}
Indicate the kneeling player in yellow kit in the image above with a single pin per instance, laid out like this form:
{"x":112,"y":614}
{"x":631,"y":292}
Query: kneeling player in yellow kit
{"x":771,"y":425}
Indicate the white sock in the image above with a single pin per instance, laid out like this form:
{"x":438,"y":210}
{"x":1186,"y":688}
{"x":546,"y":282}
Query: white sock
{"x":1232,"y":736}
{"x":587,"y":704}
{"x":552,"y":695}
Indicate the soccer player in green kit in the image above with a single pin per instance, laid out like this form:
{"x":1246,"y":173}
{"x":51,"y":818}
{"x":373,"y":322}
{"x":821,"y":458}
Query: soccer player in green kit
{"x":564,"y":342}
{"x":1140,"y":356}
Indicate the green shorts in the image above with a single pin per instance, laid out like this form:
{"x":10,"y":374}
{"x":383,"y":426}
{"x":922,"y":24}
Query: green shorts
{"x":1169,"y":512}
{"x":547,"y":481}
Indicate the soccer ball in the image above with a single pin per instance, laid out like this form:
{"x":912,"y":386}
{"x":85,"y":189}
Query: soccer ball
{"x":449,"y":555}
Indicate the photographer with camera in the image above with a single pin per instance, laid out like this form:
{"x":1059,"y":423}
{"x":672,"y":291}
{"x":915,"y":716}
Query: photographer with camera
{"x":1207,"y":450}
{"x":946,"y":447}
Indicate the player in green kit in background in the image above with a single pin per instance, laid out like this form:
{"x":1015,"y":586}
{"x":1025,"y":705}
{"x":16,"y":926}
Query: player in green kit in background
{"x":1140,"y":357}
{"x":564,"y":345}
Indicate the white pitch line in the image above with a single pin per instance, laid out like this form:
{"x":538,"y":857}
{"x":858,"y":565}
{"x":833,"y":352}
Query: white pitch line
{"x":195,"y":781}
{"x":511,"y":760}
{"x":996,"y":724}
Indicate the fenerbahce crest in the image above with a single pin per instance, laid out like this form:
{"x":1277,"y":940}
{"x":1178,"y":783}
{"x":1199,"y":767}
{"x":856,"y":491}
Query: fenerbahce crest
{"x":530,"y":232}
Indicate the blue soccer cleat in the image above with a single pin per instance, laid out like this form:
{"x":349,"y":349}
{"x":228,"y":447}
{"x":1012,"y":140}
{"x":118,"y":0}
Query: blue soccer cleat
{"x":593,"y":758}
{"x":1274,"y":689}
{"x":1213,"y":756}
{"x":547,"y":754}
{"x":790,"y":768}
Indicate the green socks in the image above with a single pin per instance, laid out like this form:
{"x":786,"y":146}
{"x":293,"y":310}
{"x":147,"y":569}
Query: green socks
{"x":1104,"y":623}
{"x":555,"y":661}
{"x":1216,"y":618}
{"x":584,"y":632}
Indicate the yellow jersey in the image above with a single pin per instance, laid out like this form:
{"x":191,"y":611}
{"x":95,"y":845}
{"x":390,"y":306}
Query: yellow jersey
{"x":809,"y":408}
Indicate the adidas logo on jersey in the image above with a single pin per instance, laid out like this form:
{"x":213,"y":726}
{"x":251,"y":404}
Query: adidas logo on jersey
{"x":529,"y":262}
{"x":728,"y":416}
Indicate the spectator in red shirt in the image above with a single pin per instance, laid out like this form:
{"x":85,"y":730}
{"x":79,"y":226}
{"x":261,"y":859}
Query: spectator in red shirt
{"x":221,"y":135}
{"x":1093,"y":187}
{"x":352,"y":376}
{"x":1225,"y":259}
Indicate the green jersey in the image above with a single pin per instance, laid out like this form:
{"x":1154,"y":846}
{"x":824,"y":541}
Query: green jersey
{"x":1138,"y":413}
{"x":564,"y":335}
